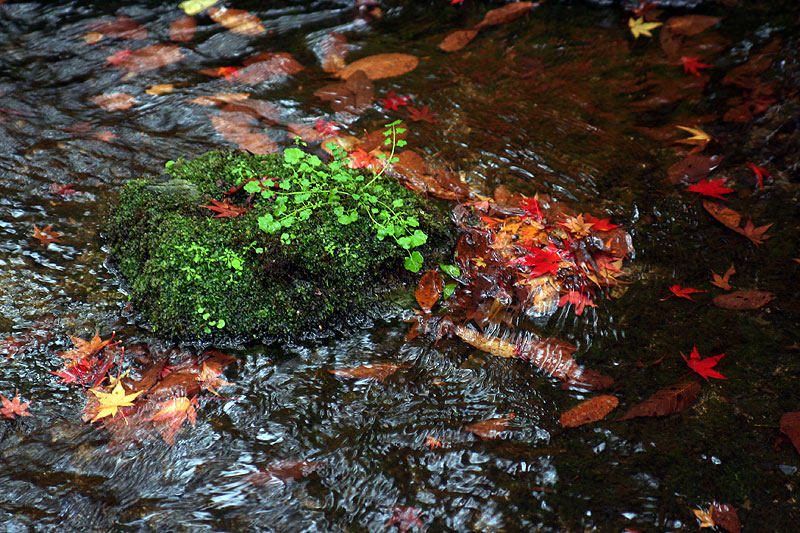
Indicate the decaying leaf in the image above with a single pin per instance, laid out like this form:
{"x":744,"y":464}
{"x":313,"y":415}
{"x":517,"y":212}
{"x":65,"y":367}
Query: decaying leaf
{"x":333,"y":50}
{"x":693,"y":168}
{"x":380,"y":66}
{"x":147,"y":58}
{"x":183,"y":29}
{"x":689,"y":25}
{"x":114,"y":101}
{"x":790,"y":426}
{"x":376,"y":371}
{"x":667,"y":401}
{"x":457,"y":40}
{"x":122,"y":28}
{"x":726,"y":517}
{"x":743,"y":300}
{"x":591,"y":410}
{"x":351,"y":96}
{"x":237,"y":20}
{"x":266,"y":66}
{"x":240,"y":134}
{"x":731,"y":219}
{"x":504,"y":14}
{"x":283,"y":471}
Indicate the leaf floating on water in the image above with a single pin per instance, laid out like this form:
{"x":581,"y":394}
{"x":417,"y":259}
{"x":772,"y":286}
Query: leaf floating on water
{"x":591,"y":410}
{"x":193,"y":7}
{"x":147,"y":58}
{"x":376,"y":371}
{"x":283,"y":471}
{"x":114,"y":101}
{"x":12,"y":408}
{"x":122,"y":28}
{"x":183,"y":29}
{"x":504,"y":14}
{"x":381,"y":66}
{"x":666,"y":401}
{"x":790,"y":426}
{"x":351,"y":96}
{"x":46,"y":235}
{"x":111,"y":401}
{"x":457,"y":40}
{"x":237,"y":20}
{"x":743,"y":300}
{"x":429,"y":290}
{"x":489,"y":429}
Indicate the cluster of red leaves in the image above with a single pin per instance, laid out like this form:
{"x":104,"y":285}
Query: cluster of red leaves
{"x":520,"y":257}
{"x":158,"y":393}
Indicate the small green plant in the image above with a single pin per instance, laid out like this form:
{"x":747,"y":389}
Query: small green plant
{"x":348,"y":194}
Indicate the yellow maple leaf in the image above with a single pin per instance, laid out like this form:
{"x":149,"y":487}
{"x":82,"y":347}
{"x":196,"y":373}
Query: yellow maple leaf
{"x":193,"y":7}
{"x":577,"y":226}
{"x":704,"y":517}
{"x":640,"y":27}
{"x":699,"y":137}
{"x":110,"y":401}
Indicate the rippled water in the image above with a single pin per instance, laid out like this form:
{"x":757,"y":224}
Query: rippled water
{"x":540,"y":104}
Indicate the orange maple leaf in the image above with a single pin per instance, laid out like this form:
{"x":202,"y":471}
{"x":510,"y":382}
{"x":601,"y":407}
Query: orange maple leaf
{"x":85,"y":349}
{"x":46,"y":235}
{"x":722,"y":281}
{"x":14,"y":407}
{"x":755,"y":234}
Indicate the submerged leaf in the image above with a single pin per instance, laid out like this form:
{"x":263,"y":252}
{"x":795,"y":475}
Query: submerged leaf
{"x":381,"y":66}
{"x":743,"y":300}
{"x":376,"y":371}
{"x":237,"y":20}
{"x":591,"y":410}
{"x":667,"y":401}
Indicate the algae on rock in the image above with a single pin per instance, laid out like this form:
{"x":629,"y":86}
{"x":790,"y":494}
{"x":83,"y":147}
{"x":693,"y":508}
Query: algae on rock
{"x":196,"y":276}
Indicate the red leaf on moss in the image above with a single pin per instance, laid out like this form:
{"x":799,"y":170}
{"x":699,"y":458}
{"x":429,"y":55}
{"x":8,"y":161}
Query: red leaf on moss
{"x":704,"y":367}
{"x":327,"y":128}
{"x":224,"y":209}
{"x":405,"y":518}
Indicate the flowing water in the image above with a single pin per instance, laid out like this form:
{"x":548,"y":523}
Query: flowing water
{"x":551,"y":102}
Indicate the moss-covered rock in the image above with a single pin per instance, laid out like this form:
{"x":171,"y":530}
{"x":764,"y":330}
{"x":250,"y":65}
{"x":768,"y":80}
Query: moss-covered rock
{"x":196,"y":276}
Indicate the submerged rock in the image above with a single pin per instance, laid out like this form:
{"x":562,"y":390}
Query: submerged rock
{"x":203,"y":260}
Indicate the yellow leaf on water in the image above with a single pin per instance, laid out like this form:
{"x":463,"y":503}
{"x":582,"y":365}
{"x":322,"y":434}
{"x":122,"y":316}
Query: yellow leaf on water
{"x":640,"y":27}
{"x":164,"y":88}
{"x":699,"y":137}
{"x":704,"y":517}
{"x":193,"y":7}
{"x":237,"y":20}
{"x":110,"y":401}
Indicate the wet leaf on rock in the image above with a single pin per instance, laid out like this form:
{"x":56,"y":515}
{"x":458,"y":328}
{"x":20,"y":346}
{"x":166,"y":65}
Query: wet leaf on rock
{"x":266,"y":66}
{"x":726,"y":517}
{"x":147,"y":58}
{"x":380,"y":66}
{"x":183,"y":29}
{"x":122,"y":28}
{"x":667,"y":401}
{"x":351,"y":96}
{"x":376,"y":371}
{"x":234,"y":130}
{"x":743,"y":300}
{"x":333,"y":50}
{"x":429,"y":290}
{"x":591,"y":410}
{"x":12,"y":408}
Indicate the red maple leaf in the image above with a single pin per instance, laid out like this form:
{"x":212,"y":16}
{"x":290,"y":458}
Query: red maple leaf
{"x":46,"y":235}
{"x":392,"y":101}
{"x":328,"y":128}
{"x":14,"y":407}
{"x":423,"y":113}
{"x":712,"y":188}
{"x":580,"y":300}
{"x":682,"y":292}
{"x":760,"y":173}
{"x":405,"y":518}
{"x":704,"y":367}
{"x":599,"y":224}
{"x":224,"y":209}
{"x":229,"y":73}
{"x":531,"y":208}
{"x":691,"y":65}
{"x":454,"y":2}
{"x":62,"y":189}
{"x":541,"y":260}
{"x":359,"y":158}
{"x":118,"y":58}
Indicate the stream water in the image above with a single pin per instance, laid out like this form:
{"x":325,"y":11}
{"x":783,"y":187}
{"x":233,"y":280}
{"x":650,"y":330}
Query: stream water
{"x":559,"y":101}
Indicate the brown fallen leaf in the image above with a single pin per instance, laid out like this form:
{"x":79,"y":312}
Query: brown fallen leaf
{"x":723,"y":281}
{"x":157,"y":90}
{"x":489,"y":429}
{"x":283,"y":471}
{"x":147,"y":58}
{"x":689,"y":25}
{"x":183,"y":29}
{"x":240,"y":134}
{"x":667,"y":401}
{"x":504,"y":14}
{"x":122,"y":28}
{"x":457,"y":40}
{"x":376,"y":371}
{"x":46,"y":235}
{"x":429,"y":290}
{"x":731,"y":219}
{"x":693,"y":168}
{"x":351,"y":96}
{"x":790,"y":426}
{"x":220,"y":98}
{"x":237,"y":20}
{"x":266,"y":66}
{"x":726,"y":517}
{"x":743,"y":300}
{"x":591,"y":410}
{"x":380,"y":66}
{"x":114,"y":101}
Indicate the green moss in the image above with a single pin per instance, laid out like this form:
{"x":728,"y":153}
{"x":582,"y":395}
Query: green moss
{"x":195,"y":276}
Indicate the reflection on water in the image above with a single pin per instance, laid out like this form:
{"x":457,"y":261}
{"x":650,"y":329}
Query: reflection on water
{"x":539,"y":104}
